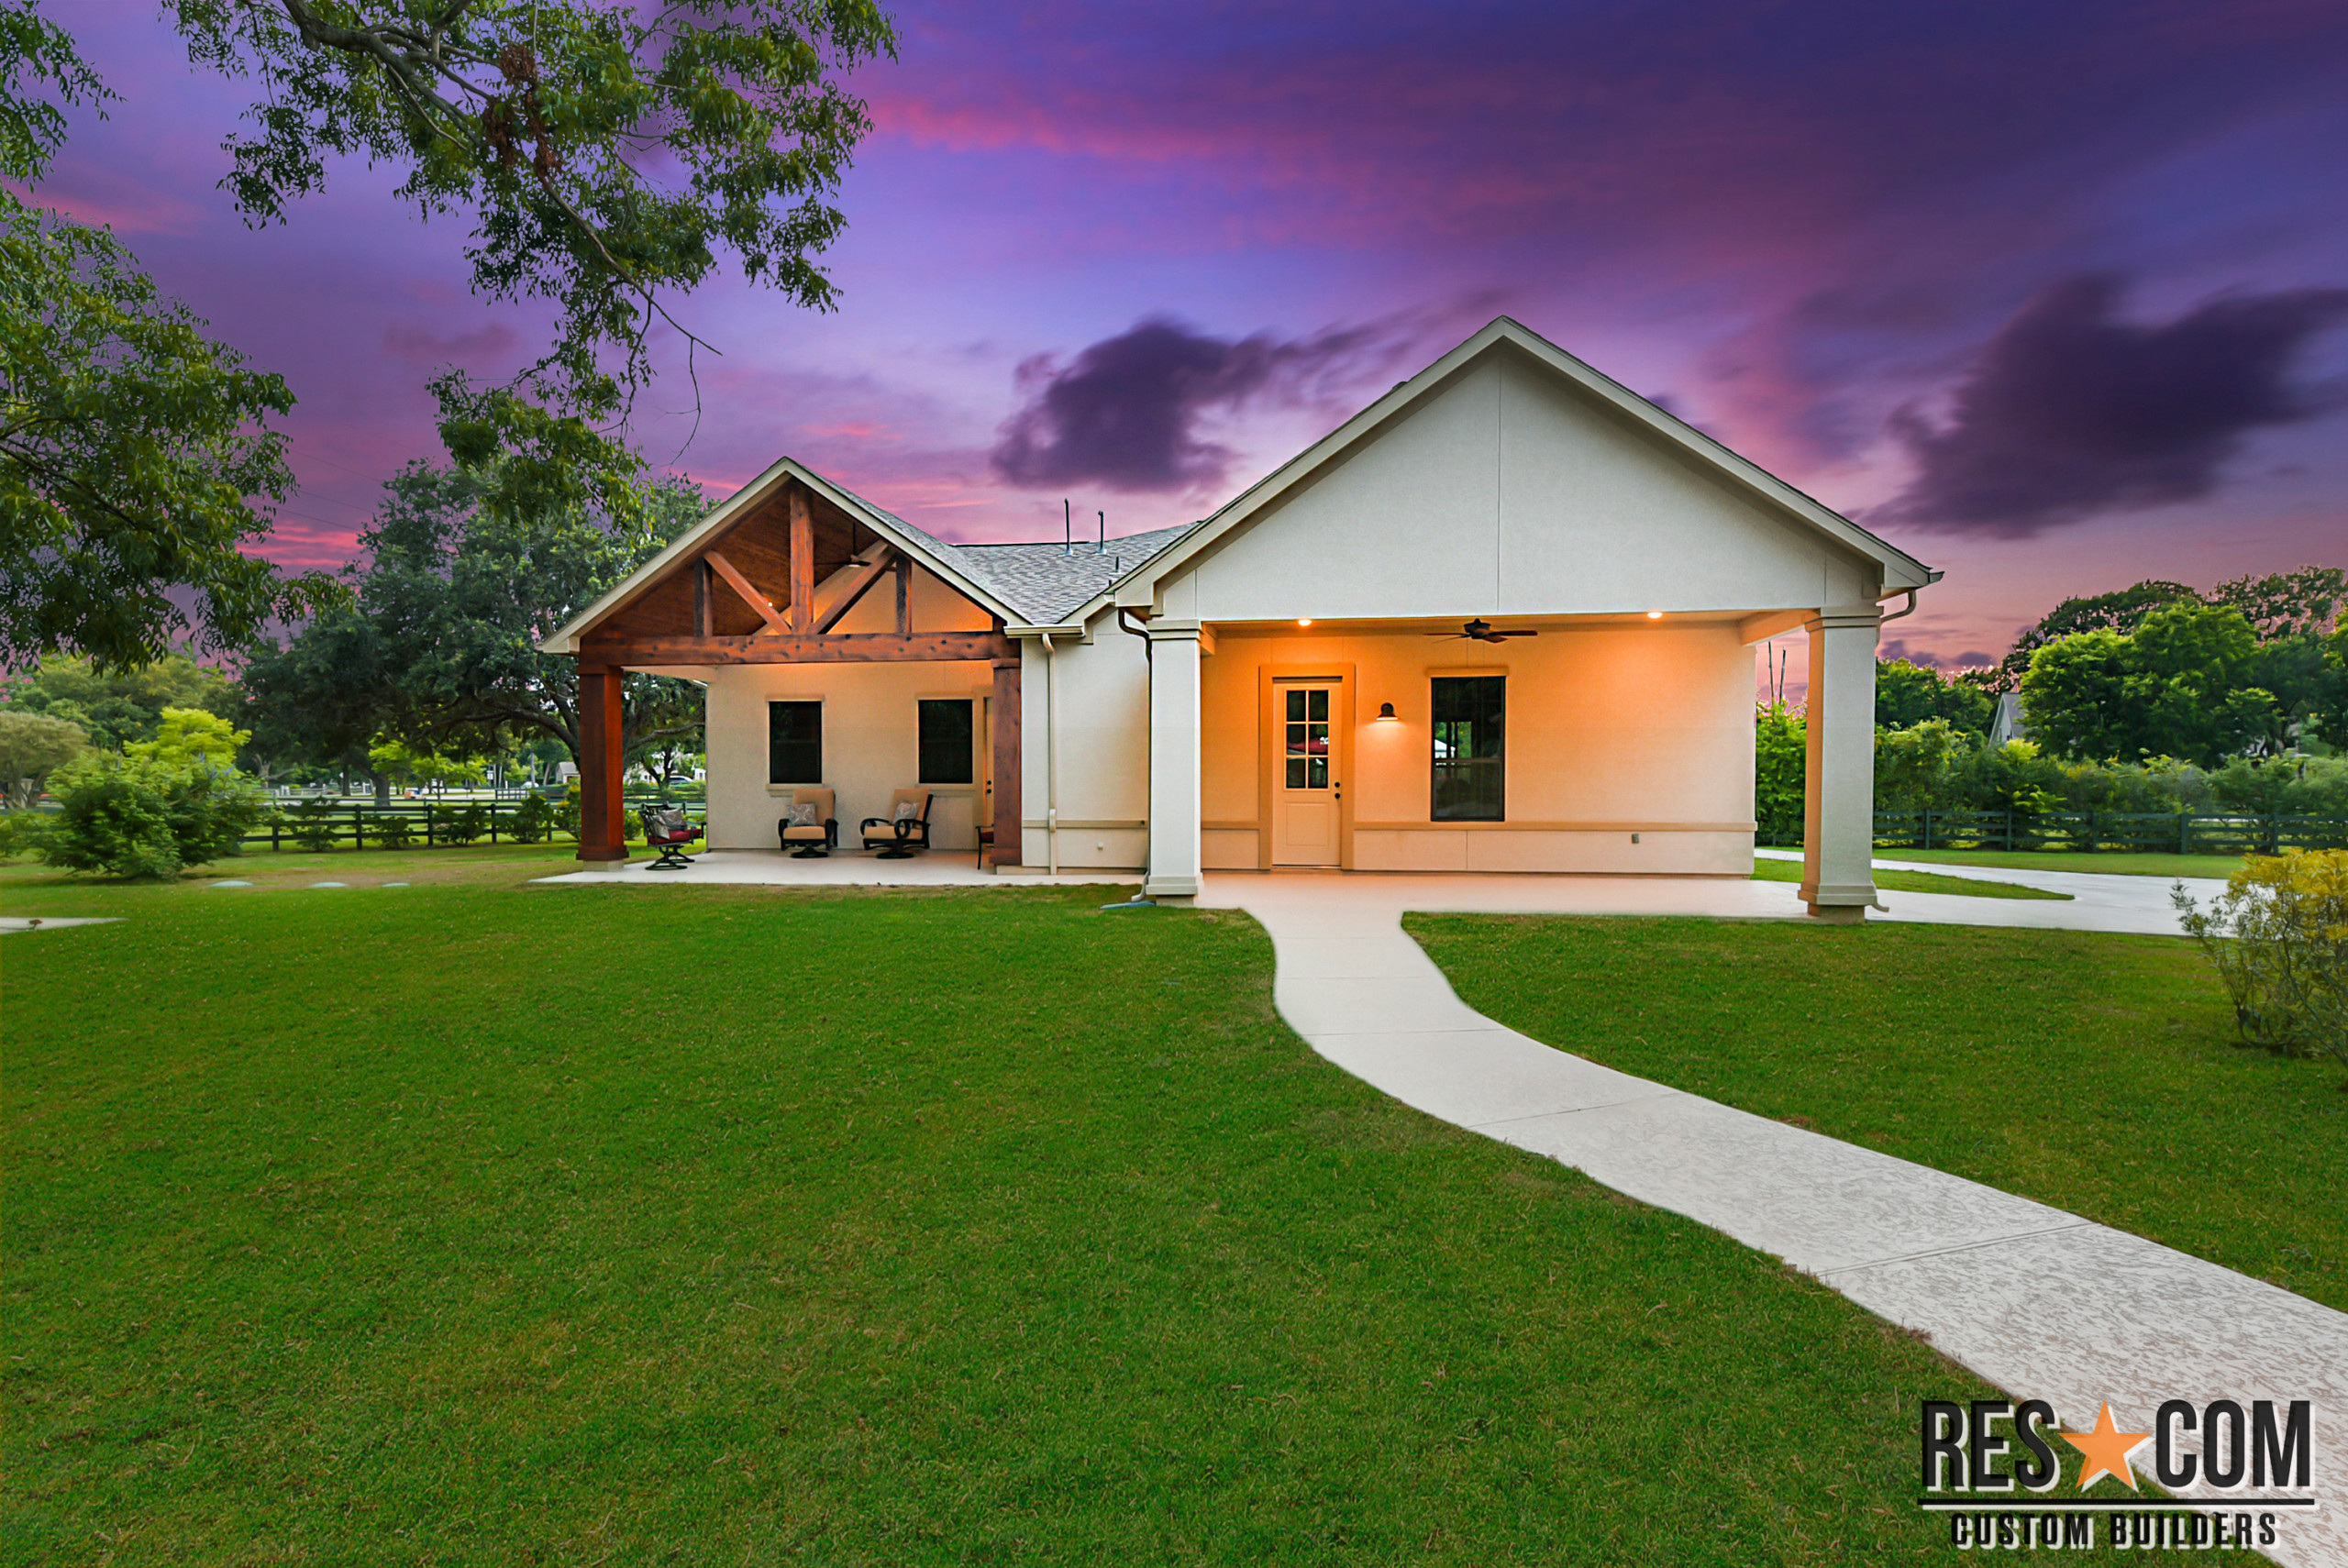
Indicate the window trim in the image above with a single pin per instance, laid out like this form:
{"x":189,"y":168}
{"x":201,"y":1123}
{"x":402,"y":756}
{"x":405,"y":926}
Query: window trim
{"x":1500,"y":757}
{"x":970,"y":753}
{"x":819,"y":704}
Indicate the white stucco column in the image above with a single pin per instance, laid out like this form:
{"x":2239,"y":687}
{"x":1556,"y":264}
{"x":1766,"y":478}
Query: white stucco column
{"x":1174,"y":652}
{"x":1838,"y":809}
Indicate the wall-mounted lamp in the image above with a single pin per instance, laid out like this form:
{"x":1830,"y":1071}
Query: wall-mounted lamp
{"x":1385,"y":715}
{"x":1655,"y":614}
{"x":1306,"y":622}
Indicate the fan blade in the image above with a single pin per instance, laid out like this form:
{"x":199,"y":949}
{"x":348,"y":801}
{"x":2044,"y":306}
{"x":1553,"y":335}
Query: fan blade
{"x":1497,"y":635}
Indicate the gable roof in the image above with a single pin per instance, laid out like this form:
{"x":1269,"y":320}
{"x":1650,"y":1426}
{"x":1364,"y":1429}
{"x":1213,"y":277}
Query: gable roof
{"x":1139,"y":586}
{"x":1025,"y":584}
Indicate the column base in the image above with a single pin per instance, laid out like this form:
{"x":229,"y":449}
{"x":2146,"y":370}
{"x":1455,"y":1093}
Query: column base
{"x":1170,"y":889}
{"x":1840,"y":914}
{"x":600,"y":859}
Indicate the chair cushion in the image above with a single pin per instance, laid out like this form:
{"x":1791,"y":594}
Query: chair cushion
{"x":811,"y":832}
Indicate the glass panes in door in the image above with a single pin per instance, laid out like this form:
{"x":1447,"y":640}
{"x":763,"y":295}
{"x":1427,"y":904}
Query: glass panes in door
{"x":1307,"y":730}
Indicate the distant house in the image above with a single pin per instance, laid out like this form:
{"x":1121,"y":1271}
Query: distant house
{"x":1502,"y":620}
{"x":2008,"y":724}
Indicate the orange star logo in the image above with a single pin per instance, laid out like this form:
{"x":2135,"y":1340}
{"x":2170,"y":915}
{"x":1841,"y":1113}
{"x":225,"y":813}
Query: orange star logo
{"x":2107,"y":1448}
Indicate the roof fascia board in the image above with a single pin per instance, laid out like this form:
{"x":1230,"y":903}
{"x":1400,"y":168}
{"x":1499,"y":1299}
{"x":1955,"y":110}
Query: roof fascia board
{"x":731,"y":511}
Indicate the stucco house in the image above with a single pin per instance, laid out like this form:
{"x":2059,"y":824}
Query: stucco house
{"x":1502,"y":620}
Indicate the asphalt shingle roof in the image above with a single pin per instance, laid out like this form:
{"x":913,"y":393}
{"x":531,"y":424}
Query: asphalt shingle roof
{"x":1044,"y":582}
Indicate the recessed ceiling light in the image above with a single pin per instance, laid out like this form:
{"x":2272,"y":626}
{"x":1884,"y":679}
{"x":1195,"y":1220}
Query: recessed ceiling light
{"x":1306,"y":622}
{"x":1655,"y":614}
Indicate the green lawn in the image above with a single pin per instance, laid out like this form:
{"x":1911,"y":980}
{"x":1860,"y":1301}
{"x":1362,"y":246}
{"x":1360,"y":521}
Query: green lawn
{"x":484,"y":1223}
{"x":2114,"y":863}
{"x":1912,"y":882}
{"x":2095,"y":1073}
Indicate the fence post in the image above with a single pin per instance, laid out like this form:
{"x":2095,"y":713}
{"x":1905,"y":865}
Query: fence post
{"x":358,"y":827}
{"x":493,"y":818}
{"x":428,"y":826}
{"x":274,"y":843}
{"x":2184,"y":831}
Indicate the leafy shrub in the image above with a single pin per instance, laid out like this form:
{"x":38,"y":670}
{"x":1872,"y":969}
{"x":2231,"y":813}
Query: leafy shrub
{"x":2279,"y":939}
{"x":144,"y":816}
{"x":22,"y":833}
{"x":390,"y":830}
{"x":313,"y":825}
{"x":1780,"y":739}
{"x":566,"y":813}
{"x":532,"y":820}
{"x":463,"y":824}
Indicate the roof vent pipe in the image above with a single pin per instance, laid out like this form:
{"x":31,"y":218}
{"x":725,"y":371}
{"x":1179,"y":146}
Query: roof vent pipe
{"x":1103,"y":547}
{"x":1068,"y":528}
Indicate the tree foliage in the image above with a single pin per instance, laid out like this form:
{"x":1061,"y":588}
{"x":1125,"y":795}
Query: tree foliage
{"x":146,"y":816}
{"x":2117,"y":612}
{"x":1908,"y":694}
{"x":32,"y":746}
{"x":439,"y":648}
{"x":606,"y":158}
{"x":131,"y":446}
{"x":2192,"y":681}
{"x":120,"y":708}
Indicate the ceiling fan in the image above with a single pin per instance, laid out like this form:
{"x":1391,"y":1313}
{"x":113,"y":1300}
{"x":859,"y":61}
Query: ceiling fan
{"x":1482,"y":631}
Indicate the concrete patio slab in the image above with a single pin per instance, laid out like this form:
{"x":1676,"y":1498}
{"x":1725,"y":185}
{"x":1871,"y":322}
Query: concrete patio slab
{"x":19,"y":924}
{"x":843,"y":869}
{"x":2040,"y":1301}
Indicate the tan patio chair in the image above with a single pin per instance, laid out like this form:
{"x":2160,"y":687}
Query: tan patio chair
{"x":903,"y":829}
{"x":810,"y":829}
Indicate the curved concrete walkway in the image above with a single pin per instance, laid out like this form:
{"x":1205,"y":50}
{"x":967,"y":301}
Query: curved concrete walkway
{"x":2041,"y":1302}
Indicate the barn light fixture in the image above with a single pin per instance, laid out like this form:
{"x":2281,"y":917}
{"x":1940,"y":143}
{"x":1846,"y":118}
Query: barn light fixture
{"x":1385,"y":715}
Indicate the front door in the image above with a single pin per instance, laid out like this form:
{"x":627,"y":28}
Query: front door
{"x":1305,"y":788}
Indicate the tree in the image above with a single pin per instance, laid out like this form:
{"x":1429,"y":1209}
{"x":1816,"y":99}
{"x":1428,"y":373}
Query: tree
{"x":2073,"y":693}
{"x":193,"y":739}
{"x":2180,"y":685}
{"x":442,"y":643}
{"x":2304,"y":602}
{"x":32,"y":746}
{"x":604,"y":155}
{"x":2117,"y":612}
{"x":2185,"y":661}
{"x":130,"y":442}
{"x":1907,"y":694}
{"x":120,"y":708}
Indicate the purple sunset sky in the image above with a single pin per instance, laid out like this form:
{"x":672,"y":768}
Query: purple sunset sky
{"x":2051,"y":295}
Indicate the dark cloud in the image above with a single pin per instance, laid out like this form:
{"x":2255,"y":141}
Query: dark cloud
{"x":1125,"y":413}
{"x":2070,"y":413}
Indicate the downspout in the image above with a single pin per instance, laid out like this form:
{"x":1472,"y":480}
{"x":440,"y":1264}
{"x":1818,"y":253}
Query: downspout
{"x":1910,"y":611}
{"x":1051,"y":756}
{"x":1149,"y":774}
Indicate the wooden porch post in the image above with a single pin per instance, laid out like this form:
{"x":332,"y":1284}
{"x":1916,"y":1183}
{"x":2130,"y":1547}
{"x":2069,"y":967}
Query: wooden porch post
{"x":1002,"y":719}
{"x":601,"y":837}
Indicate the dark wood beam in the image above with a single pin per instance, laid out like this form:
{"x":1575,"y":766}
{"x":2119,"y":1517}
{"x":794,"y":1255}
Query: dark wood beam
{"x":1002,"y":719}
{"x":780,"y":648}
{"x":803,"y":562}
{"x":750,"y":595}
{"x":602,"y":832}
{"x":904,"y":595}
{"x":702,"y":612}
{"x":874,"y":570}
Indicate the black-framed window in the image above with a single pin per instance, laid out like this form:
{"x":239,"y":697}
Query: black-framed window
{"x":795,"y":743}
{"x":1469,"y":770}
{"x":946,"y":735}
